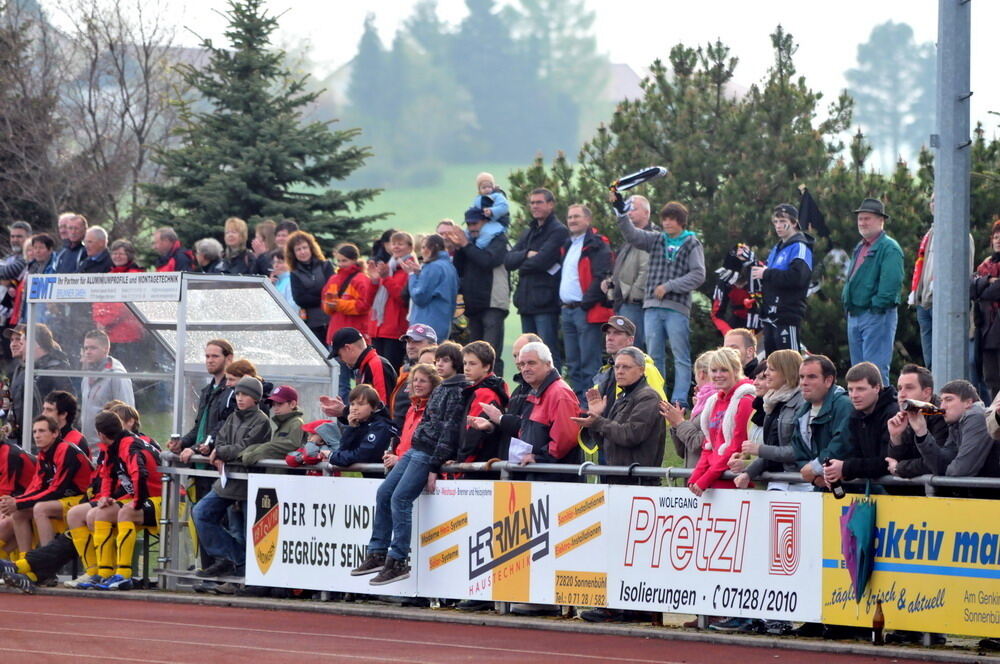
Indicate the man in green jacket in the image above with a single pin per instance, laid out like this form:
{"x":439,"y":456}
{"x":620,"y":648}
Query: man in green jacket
{"x":823,"y":422}
{"x":871,"y":292}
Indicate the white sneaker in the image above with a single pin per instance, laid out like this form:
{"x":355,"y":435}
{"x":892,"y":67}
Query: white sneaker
{"x":75,"y":583}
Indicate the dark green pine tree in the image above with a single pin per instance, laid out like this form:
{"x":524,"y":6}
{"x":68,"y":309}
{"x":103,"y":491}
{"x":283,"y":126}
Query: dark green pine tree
{"x":250,"y":154}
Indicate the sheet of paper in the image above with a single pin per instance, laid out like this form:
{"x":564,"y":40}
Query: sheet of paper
{"x":222,"y":477}
{"x":555,"y":268}
{"x":518,"y":450}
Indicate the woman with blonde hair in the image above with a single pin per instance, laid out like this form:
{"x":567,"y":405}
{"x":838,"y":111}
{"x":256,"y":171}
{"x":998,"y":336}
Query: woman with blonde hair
{"x":309,"y":271}
{"x":686,"y":434}
{"x":724,"y":421}
{"x":238,"y":259}
{"x":781,"y":404}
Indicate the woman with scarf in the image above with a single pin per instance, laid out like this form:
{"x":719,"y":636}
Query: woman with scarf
{"x":423,"y":379}
{"x":389,"y":310}
{"x":347,"y":295}
{"x":779,"y":405}
{"x":985,"y":293}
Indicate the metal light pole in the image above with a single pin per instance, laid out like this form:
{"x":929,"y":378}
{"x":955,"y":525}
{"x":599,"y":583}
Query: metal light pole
{"x":951,"y":190}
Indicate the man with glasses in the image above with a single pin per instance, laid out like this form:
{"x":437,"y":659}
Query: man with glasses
{"x":785,"y":281}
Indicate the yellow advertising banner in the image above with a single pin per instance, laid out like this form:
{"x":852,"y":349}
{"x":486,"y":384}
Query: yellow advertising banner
{"x":937,"y":566}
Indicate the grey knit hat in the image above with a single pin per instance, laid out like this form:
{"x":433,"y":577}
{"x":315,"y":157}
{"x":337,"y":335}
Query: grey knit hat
{"x":250,"y":386}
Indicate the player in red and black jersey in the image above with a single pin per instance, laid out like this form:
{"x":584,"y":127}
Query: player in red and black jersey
{"x":62,"y":473}
{"x":17,"y":469}
{"x":63,"y":406}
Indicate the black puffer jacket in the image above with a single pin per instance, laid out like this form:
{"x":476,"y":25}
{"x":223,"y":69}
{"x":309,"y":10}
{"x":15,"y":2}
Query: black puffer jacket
{"x":870,"y":438}
{"x":483,"y":280}
{"x":307,"y":280}
{"x":538,"y":289}
{"x":438,"y":431}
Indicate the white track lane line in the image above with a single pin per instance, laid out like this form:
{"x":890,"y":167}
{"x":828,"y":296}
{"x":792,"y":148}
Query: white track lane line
{"x":361,"y":638}
{"x":100,"y":657}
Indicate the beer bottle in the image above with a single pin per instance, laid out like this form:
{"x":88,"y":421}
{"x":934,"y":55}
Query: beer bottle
{"x":836,"y":488}
{"x":878,"y":625}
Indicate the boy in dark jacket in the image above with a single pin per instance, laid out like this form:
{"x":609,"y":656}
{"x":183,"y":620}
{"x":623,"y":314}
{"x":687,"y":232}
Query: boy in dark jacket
{"x":435,"y":441}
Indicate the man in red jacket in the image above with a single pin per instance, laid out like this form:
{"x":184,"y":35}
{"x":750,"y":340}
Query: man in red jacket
{"x":171,"y":256}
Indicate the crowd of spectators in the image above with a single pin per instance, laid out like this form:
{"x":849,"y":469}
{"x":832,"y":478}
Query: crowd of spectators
{"x":412,"y":398}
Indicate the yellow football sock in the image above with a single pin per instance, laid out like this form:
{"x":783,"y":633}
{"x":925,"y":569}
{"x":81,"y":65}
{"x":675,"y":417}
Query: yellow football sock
{"x":84,"y":544}
{"x":126,"y":547}
{"x":104,"y":543}
{"x":24,"y":568}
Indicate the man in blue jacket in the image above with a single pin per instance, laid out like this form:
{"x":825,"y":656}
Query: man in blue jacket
{"x":785,"y":281}
{"x":871,"y":292}
{"x":433,"y":286}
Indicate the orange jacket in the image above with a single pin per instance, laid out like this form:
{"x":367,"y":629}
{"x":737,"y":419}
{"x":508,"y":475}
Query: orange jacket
{"x":347,"y":298}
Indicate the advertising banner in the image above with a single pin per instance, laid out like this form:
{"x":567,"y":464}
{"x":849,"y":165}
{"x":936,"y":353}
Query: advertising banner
{"x":937,"y":566}
{"x":310,"y":532}
{"x":123,"y":287}
{"x":753,"y":554}
{"x":538,"y":542}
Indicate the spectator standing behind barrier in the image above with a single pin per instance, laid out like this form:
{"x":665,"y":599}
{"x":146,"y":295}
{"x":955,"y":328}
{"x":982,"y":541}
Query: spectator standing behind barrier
{"x":743,"y":342}
{"x":287,"y":425}
{"x":434,"y":442}
{"x":96,"y":258}
{"x":263,"y":246}
{"x":479,"y":440}
{"x":369,"y":432}
{"x":310,"y":271}
{"x":247,"y":426}
{"x":72,"y":229}
{"x":171,"y":256}
{"x":985,"y":293}
{"x":282,"y":232}
{"x":871,"y":292}
{"x":433,"y":287}
{"x":208,"y":254}
{"x":781,"y":404}
{"x":350,"y":347}
{"x":390,"y":309}
{"x":536,"y":257}
{"x":822,"y":424}
{"x":676,"y":269}
{"x":545,"y":419}
{"x":627,"y":285}
{"x":95,"y":392}
{"x":237,"y":259}
{"x":281,"y":277}
{"x":967,"y":450}
{"x":124,"y":330}
{"x":630,"y":431}
{"x":785,"y":281}
{"x":348,"y":294}
{"x":416,"y":338}
{"x":11,"y":269}
{"x":687,"y":434}
{"x":484,"y":281}
{"x":874,"y":404}
{"x":586,"y":262}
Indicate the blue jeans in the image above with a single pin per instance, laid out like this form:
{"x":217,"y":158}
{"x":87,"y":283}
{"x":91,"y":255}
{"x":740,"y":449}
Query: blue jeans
{"x":394,"y":500}
{"x":344,"y":381}
{"x":663,"y":326}
{"x":871,"y":336}
{"x":547,"y":327}
{"x":209,"y":514}
{"x":583,"y":344}
{"x":925,"y":321}
{"x":633,"y":311}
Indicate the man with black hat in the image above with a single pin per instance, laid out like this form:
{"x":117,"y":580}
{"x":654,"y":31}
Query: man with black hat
{"x":871,"y":292}
{"x":785,"y":281}
{"x":483,"y":280}
{"x":351,"y":348}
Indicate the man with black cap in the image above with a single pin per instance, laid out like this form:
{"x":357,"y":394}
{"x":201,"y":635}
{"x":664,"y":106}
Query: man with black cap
{"x":871,"y":292}
{"x":351,"y":348}
{"x":483,"y":280}
{"x":418,"y":337}
{"x":785,"y":281}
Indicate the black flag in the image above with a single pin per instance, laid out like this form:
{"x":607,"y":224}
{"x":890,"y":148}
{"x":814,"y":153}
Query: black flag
{"x":810,"y":216}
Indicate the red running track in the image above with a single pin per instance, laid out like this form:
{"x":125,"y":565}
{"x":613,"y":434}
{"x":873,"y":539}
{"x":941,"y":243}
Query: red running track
{"x":42,"y":629}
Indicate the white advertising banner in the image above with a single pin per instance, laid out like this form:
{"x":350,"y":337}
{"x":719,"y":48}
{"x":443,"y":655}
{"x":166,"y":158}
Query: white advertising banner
{"x":310,"y":532}
{"x":123,"y":287}
{"x":538,"y":542}
{"x":753,"y":554}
